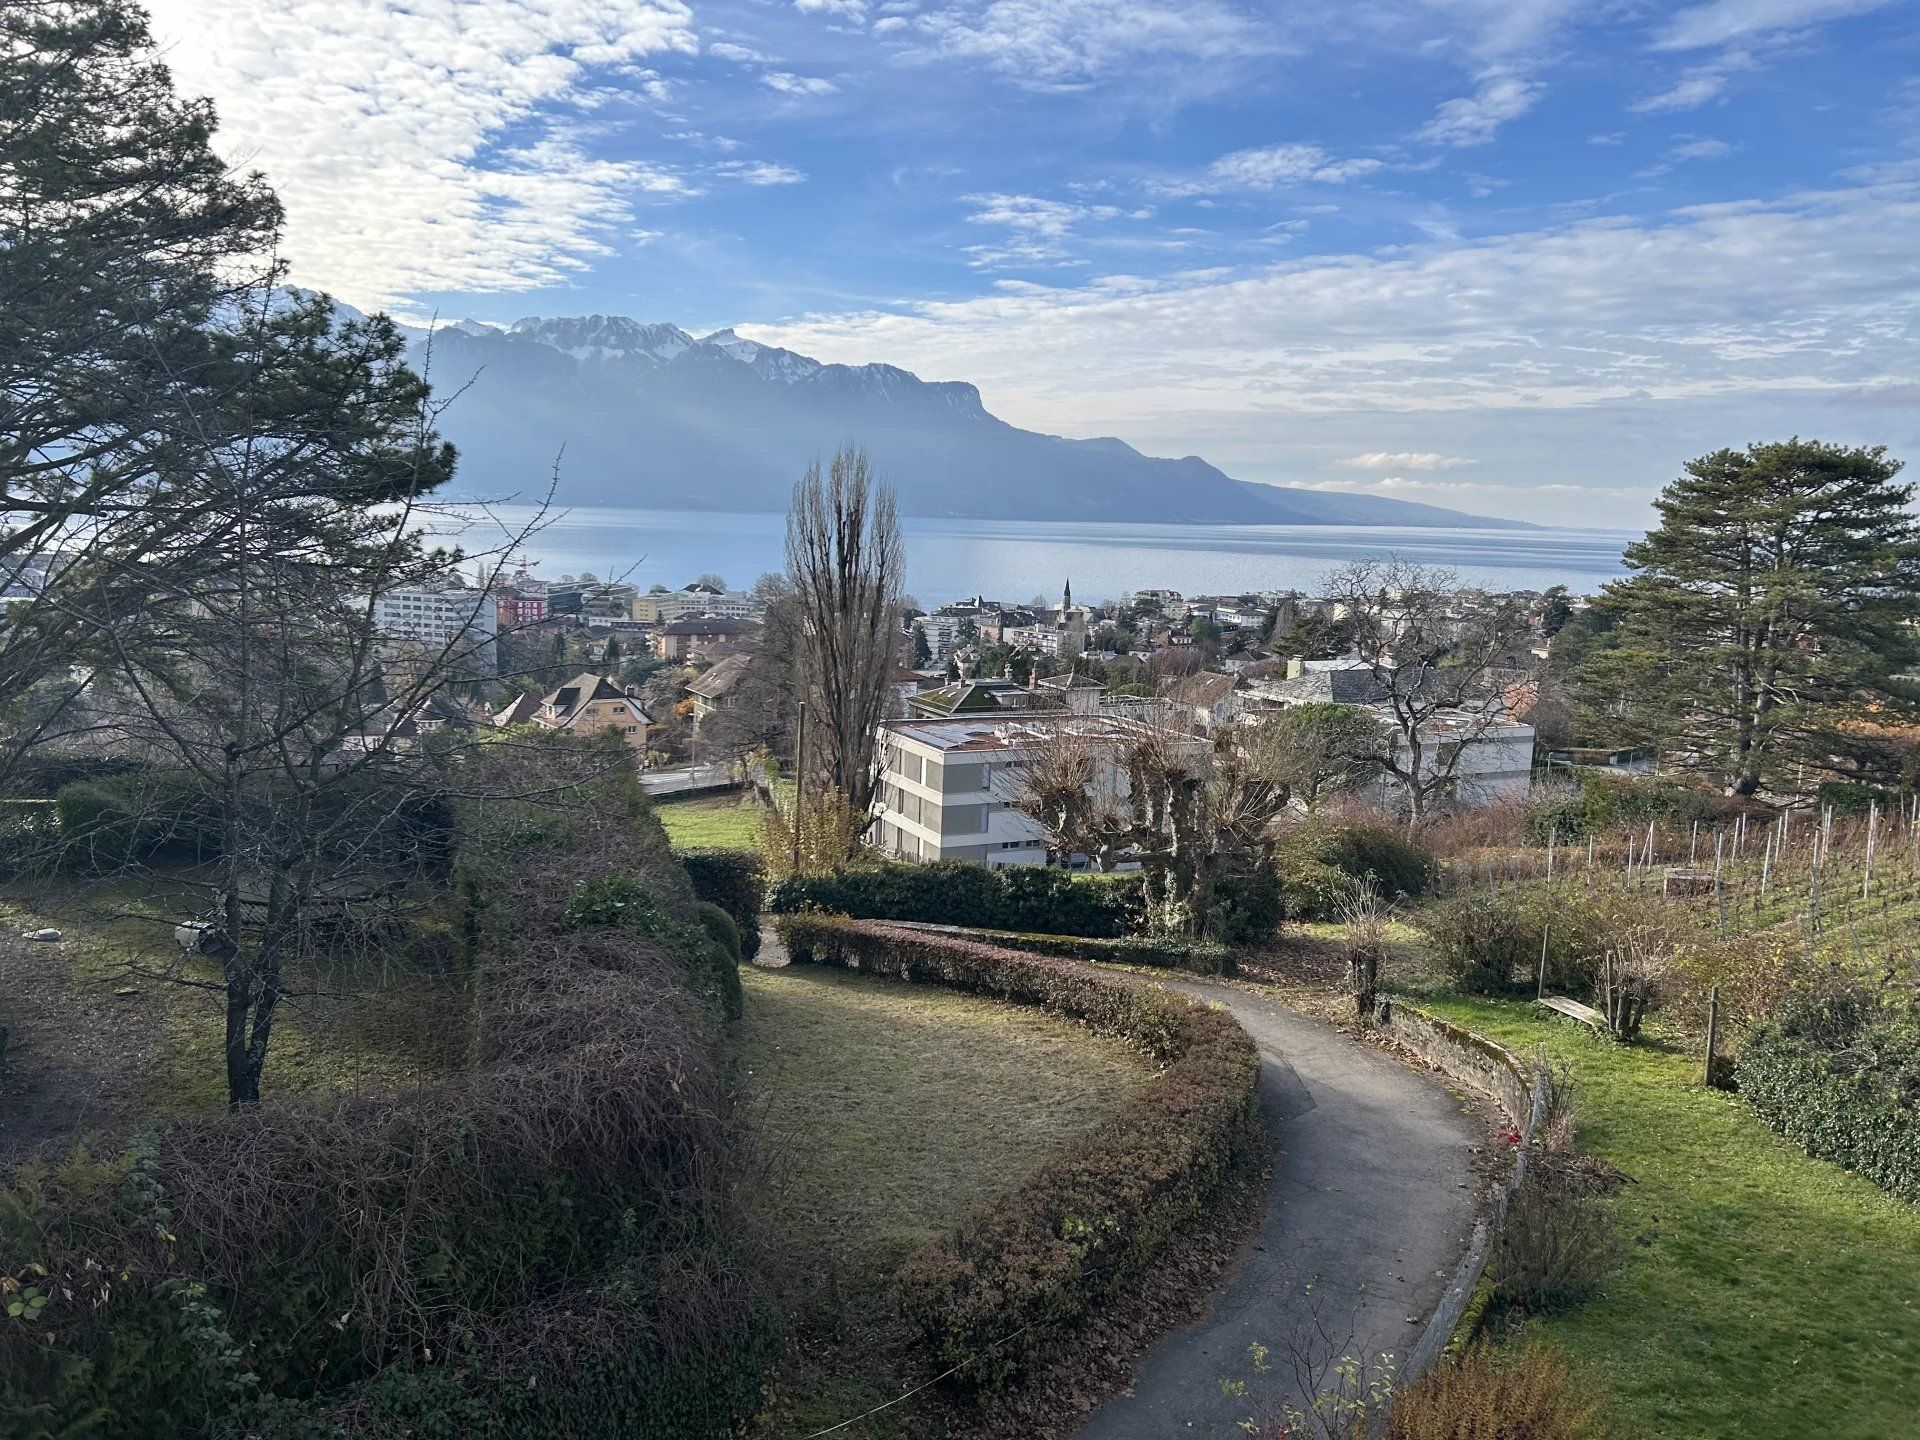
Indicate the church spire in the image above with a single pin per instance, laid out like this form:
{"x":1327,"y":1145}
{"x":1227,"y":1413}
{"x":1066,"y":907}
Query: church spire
{"x":1066,"y":598}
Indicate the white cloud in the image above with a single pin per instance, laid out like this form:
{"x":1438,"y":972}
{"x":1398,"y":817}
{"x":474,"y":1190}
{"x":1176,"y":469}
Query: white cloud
{"x":1039,"y":227}
{"x":1403,"y":460}
{"x":1720,"y":22}
{"x":741,"y":54}
{"x":1708,"y":149}
{"x":1784,"y":304}
{"x":1698,"y":84}
{"x":790,"y":84}
{"x":1066,"y":44}
{"x":1280,"y":164}
{"x":760,"y":172}
{"x":854,"y":11}
{"x":379,"y":126}
{"x":1475,"y":119}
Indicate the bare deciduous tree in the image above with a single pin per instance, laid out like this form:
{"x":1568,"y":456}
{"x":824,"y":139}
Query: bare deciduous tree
{"x":1438,"y":668}
{"x":846,"y":563}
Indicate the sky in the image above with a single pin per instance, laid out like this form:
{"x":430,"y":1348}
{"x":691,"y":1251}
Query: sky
{"x":1519,"y":257}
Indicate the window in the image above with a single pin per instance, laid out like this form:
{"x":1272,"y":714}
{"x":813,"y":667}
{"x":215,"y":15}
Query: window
{"x":633,"y":729}
{"x":986,"y":774}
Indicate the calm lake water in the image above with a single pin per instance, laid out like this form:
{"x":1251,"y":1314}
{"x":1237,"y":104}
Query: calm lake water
{"x":1016,"y":560}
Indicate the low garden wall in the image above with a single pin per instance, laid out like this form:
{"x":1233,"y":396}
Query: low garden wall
{"x":1018,"y":1278}
{"x":1518,"y":1087}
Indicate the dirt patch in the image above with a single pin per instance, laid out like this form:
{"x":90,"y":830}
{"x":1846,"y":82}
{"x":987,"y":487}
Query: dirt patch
{"x":77,"y":1054}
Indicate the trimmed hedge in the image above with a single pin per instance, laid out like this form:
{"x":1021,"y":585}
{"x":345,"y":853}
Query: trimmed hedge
{"x":1019,"y":1277}
{"x":1028,"y":898}
{"x":1200,"y":957}
{"x":736,"y":881}
{"x":1840,"y":1077}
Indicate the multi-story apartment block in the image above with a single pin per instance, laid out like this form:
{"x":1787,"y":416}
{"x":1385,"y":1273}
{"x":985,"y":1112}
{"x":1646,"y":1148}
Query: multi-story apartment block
{"x":950,"y":787}
{"x":441,"y":614}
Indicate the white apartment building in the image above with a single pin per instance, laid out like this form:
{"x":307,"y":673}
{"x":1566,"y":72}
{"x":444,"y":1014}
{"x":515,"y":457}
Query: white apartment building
{"x":950,"y":786}
{"x":439,"y":613}
{"x":942,"y":632}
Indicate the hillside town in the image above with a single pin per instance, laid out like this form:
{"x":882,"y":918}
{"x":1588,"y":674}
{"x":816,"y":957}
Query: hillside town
{"x":1325,"y":965}
{"x":687,"y":678}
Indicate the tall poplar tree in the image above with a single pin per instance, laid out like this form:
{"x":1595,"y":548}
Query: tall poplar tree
{"x":1771,"y":610}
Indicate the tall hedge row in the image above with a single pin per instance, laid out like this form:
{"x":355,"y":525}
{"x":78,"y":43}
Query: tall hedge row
{"x":1016,"y":1280}
{"x":736,"y":881}
{"x":1840,"y":1077}
{"x":546,"y":1246}
{"x":958,"y":892}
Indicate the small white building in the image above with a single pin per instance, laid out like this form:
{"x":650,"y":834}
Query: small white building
{"x":950,"y":786}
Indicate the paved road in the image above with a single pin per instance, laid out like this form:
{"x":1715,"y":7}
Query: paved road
{"x":1373,"y":1202}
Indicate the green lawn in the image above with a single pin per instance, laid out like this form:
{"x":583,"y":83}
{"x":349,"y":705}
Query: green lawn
{"x":889,"y":1112}
{"x":728,"y":821}
{"x":1767,"y":1295}
{"x":364,"y":1026}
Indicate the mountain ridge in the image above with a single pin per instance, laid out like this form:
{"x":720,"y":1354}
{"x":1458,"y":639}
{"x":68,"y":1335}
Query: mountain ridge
{"x":648,"y":414}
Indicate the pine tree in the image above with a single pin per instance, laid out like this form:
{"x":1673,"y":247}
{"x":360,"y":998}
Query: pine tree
{"x":1771,"y":608}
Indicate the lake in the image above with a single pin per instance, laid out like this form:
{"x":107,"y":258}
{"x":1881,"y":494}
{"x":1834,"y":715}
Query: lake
{"x":1017,"y":560}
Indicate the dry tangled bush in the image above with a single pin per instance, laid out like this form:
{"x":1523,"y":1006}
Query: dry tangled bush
{"x":1492,"y":1394}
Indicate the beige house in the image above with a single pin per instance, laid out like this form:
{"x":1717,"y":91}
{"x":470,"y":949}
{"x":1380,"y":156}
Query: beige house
{"x":588,"y":704}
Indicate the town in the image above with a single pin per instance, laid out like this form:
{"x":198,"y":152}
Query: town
{"x":518,"y":923}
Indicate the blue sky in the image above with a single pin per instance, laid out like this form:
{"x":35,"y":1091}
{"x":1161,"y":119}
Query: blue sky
{"x":1521,"y":258}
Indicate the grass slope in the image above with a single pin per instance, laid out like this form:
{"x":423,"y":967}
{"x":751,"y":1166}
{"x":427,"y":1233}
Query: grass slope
{"x":731,"y":822}
{"x":891,"y":1111}
{"x":368,"y":1026}
{"x":1766,"y":1295}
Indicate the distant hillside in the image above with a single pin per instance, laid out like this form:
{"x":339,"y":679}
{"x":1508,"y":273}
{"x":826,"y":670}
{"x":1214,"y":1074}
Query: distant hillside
{"x":651,"y":416}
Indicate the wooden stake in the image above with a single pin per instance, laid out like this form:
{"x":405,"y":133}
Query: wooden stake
{"x":1713,"y":1030}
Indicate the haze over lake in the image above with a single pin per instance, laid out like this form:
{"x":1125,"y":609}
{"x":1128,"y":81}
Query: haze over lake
{"x":1015,"y":560}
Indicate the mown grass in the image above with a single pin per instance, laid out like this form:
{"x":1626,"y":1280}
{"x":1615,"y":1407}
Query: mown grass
{"x":1765,"y":1295}
{"x":344,"y":1027}
{"x":889,"y":1112}
{"x":730,"y":822}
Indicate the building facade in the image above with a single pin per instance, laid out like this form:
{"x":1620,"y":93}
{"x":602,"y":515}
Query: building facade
{"x":442,"y":615}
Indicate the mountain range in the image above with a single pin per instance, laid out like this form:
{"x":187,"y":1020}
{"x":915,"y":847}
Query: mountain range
{"x":649,"y":416}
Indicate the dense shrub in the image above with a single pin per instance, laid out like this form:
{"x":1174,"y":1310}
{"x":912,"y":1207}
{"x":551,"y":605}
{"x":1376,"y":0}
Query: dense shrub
{"x":1319,"y":862}
{"x":1598,"y":804}
{"x":1487,"y":942}
{"x":29,"y":838}
{"x":1017,"y":1279}
{"x":1246,"y":908}
{"x":545,"y":1246}
{"x":154,"y":815}
{"x":719,"y":927}
{"x":1491,"y":1393}
{"x":1839,"y":1075}
{"x":1168,"y":952}
{"x":736,"y":881}
{"x":1557,"y":1242}
{"x":957,"y":892}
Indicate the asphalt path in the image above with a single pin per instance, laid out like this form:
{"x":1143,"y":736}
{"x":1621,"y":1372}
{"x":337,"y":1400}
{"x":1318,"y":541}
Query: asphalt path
{"x":1373,"y":1202}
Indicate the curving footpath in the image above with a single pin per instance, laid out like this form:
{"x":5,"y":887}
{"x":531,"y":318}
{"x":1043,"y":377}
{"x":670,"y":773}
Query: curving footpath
{"x":1373,"y":1205}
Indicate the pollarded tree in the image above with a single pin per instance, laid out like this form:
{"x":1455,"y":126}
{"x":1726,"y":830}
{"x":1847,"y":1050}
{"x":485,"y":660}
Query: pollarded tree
{"x":1771,"y":611}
